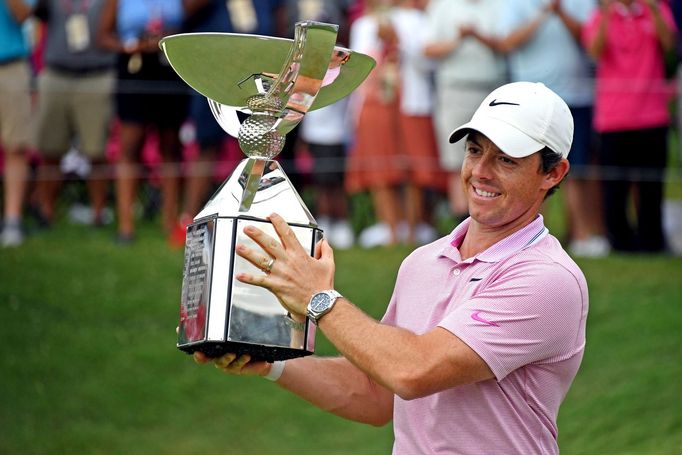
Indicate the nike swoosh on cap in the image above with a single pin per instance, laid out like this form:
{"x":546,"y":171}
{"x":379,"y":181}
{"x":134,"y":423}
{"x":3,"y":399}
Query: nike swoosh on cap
{"x":494,"y":103}
{"x":475,"y":316}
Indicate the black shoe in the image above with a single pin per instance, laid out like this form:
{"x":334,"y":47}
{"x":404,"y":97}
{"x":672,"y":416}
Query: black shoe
{"x":41,"y":221}
{"x":124,"y":239}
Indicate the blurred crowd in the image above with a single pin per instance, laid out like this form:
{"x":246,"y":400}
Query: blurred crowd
{"x":84,"y":89}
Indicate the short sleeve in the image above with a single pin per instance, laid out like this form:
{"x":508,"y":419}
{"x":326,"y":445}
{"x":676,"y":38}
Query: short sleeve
{"x":389,"y":317}
{"x":530,"y":313}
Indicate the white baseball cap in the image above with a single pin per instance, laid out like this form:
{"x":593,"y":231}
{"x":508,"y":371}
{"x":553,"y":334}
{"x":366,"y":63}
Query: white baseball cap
{"x":522,"y":118}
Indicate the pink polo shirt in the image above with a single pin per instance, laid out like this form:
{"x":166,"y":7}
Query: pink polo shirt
{"x":522,"y":306}
{"x":631,"y":90}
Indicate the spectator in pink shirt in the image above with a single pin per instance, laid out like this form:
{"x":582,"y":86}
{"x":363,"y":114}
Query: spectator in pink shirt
{"x":628,"y":40}
{"x":486,"y":327}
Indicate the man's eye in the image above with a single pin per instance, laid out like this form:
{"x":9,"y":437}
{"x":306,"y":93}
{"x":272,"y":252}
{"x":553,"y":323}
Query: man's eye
{"x":472,"y":150}
{"x":507,"y":160}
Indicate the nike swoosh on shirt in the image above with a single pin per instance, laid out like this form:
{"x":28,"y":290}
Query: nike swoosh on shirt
{"x":494,"y":103}
{"x":475,"y":316}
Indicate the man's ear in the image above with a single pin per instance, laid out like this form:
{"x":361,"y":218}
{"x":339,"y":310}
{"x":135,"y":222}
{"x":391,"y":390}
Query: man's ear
{"x":556,"y":174}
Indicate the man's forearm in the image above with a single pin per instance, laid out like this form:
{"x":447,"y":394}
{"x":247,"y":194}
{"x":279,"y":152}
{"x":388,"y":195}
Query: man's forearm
{"x":522,"y":35}
{"x":407,"y":364}
{"x":440,"y":49}
{"x":574,"y":26}
{"x":337,"y":386}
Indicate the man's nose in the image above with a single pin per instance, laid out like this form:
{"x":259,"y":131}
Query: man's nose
{"x":482,"y":168}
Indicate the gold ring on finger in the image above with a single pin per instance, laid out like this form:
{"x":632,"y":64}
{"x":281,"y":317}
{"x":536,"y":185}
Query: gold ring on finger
{"x":268,"y":267}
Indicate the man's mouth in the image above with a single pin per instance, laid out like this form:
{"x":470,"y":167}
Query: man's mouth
{"x":483,"y":193}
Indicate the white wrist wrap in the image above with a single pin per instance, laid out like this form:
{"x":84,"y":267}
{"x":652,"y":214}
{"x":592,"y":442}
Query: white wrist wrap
{"x":276,"y":370}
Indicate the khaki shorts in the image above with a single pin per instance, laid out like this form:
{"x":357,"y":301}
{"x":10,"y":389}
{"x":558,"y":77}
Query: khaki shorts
{"x":73,"y":110}
{"x":455,"y":106}
{"x":15,"y":104}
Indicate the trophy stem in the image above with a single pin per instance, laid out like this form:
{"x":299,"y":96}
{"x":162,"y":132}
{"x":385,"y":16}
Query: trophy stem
{"x":251,"y":175}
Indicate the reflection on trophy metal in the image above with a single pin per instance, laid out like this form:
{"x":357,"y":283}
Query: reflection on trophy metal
{"x":259,"y":88}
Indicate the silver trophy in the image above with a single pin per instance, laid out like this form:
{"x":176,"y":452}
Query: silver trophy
{"x":259,"y":88}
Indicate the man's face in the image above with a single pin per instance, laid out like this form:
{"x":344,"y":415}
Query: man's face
{"x":501,"y":190}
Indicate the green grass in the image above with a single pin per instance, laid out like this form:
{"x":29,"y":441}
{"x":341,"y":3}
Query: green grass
{"x":88,"y":362}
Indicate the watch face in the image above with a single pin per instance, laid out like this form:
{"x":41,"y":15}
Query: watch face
{"x":319,"y":302}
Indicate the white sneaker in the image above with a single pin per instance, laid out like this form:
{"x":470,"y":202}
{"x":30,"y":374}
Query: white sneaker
{"x":425,"y":233}
{"x":11,"y":237}
{"x":599,"y":246}
{"x":83,"y":214}
{"x":376,"y":235}
{"x":592,"y":247}
{"x":341,"y":235}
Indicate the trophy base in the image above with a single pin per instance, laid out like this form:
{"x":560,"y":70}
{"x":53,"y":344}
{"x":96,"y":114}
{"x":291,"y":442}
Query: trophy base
{"x":257,"y":352}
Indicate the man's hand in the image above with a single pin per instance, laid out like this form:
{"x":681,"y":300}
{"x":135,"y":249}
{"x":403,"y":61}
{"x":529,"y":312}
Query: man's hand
{"x":294,"y":276}
{"x":231,"y":364}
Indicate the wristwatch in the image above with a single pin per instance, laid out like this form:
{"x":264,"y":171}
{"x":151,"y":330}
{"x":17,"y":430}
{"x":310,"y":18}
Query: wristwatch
{"x":321,"y":304}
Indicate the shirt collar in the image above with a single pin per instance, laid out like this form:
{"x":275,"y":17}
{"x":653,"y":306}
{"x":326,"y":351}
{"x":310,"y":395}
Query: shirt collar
{"x":525,"y":237}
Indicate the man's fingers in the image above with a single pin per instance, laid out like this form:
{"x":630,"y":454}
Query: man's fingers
{"x":255,"y":257}
{"x":269,"y":244}
{"x":256,"y":280}
{"x":225,"y":360}
{"x":326,"y":251}
{"x":232,"y":364}
{"x":285,"y":233}
{"x":241,"y":361}
{"x":200,"y":357}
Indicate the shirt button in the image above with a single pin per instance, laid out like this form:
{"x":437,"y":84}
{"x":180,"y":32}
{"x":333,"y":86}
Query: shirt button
{"x":456,"y":272}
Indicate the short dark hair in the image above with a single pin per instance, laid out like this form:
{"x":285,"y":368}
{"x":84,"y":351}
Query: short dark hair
{"x":548,"y":161}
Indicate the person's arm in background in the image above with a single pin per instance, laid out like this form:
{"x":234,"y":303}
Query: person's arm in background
{"x":107,"y":37}
{"x":19,"y":10}
{"x":595,"y":47}
{"x":441,"y":49}
{"x":513,"y":40}
{"x":572,"y":24}
{"x":442,"y":38}
{"x":664,"y":33}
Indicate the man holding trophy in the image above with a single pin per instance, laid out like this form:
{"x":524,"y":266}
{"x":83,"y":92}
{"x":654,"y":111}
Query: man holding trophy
{"x":474,"y":354}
